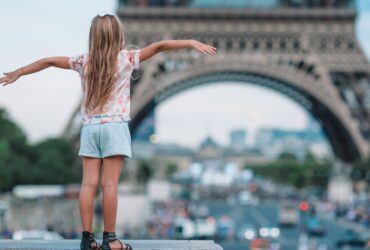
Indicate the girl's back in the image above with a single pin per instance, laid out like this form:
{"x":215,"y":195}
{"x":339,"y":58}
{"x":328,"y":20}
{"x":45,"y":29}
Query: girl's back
{"x":117,"y":106}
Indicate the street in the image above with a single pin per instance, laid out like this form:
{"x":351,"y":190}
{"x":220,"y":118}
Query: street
{"x":265,"y":214}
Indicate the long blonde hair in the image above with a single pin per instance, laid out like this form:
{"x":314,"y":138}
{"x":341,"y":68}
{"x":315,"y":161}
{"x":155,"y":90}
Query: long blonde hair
{"x":106,"y":39}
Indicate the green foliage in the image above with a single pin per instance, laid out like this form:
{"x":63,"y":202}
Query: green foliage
{"x":55,"y":162}
{"x":286,"y":156}
{"x":50,"y":161}
{"x":144,"y":171}
{"x":287,"y":170}
{"x":171,"y":168}
{"x":361,"y":170}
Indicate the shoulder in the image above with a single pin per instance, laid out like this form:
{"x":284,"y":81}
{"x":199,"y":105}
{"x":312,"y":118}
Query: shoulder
{"x":77,"y":61}
{"x":79,"y":57}
{"x":130,"y":52}
{"x":133,"y":56}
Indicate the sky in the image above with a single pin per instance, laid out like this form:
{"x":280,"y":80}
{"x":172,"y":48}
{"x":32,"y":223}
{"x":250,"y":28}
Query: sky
{"x":42,"y":103}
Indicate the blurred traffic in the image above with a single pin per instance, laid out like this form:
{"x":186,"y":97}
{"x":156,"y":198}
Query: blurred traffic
{"x":252,"y":212}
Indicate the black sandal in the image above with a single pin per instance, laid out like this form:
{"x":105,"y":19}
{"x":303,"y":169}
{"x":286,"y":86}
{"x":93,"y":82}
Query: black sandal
{"x":86,"y":242}
{"x":111,"y":236}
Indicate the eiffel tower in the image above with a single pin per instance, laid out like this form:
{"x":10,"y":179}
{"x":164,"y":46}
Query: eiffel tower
{"x":305,"y":49}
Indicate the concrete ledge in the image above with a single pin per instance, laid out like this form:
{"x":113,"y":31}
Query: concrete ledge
{"x":136,"y":244}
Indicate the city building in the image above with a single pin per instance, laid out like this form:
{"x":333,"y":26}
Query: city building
{"x":238,"y":138}
{"x":274,"y":141}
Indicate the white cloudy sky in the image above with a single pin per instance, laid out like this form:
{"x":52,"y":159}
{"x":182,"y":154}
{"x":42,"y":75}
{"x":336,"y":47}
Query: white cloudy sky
{"x":42,"y":103}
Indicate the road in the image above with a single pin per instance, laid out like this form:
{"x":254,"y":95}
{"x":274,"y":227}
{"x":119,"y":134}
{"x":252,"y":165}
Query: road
{"x":266,"y":214}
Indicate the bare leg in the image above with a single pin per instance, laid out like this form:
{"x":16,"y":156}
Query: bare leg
{"x":90,"y":182}
{"x":112,"y":167}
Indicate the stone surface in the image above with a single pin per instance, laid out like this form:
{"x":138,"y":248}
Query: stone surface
{"x":136,"y":244}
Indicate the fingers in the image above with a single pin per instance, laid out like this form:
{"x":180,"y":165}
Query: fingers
{"x":8,"y":78}
{"x":210,"y":50}
{"x":213,"y":48}
{"x":207,"y":52}
{"x":4,"y":81}
{"x":206,"y":49}
{"x":210,"y":47}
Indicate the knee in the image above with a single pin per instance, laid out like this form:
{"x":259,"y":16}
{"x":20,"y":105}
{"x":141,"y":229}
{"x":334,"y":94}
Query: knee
{"x":90,"y":183}
{"x":109,"y":185}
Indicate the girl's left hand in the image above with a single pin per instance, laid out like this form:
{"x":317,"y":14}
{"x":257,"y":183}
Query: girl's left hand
{"x":10,"y":77}
{"x":204,"y":48}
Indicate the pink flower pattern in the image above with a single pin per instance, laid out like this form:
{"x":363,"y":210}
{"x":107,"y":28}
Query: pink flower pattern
{"x":117,"y":107}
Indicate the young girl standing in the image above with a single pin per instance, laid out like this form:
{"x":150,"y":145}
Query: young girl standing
{"x":105,"y":140}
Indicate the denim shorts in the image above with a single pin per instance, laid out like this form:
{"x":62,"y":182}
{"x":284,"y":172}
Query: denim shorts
{"x":105,"y":139}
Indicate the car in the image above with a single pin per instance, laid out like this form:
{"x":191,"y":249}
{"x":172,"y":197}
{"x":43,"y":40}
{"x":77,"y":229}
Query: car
{"x":315,"y":227}
{"x":352,"y":239}
{"x":247,"y":198}
{"x":36,"y":235}
{"x":247,"y":232}
{"x":260,"y":244}
{"x":205,"y":228}
{"x":184,"y":228}
{"x":288,"y":214}
{"x":225,"y":228}
{"x":264,"y":244}
{"x":269,"y":231}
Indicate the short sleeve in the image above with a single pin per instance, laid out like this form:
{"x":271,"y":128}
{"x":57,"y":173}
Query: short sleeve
{"x":134,"y":57}
{"x":76,"y":62}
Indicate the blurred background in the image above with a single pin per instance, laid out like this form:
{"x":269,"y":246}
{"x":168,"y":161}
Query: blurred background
{"x":262,"y":146}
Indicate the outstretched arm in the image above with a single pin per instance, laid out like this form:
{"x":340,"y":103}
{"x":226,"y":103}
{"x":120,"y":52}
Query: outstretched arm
{"x":59,"y":62}
{"x":165,"y":45}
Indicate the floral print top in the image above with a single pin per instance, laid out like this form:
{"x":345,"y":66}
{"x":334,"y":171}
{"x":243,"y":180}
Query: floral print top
{"x":118,"y":106}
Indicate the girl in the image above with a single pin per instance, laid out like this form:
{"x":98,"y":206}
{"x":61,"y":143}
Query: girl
{"x":105,"y":141}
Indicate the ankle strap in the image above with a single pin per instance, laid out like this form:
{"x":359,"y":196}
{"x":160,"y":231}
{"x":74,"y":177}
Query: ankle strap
{"x":110,"y":236}
{"x":87,"y":234}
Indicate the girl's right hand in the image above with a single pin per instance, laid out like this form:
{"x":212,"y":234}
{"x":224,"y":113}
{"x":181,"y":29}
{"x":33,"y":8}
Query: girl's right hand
{"x":10,"y":77}
{"x":204,"y":48}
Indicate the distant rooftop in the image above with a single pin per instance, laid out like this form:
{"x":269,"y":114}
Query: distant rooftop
{"x":255,"y":4}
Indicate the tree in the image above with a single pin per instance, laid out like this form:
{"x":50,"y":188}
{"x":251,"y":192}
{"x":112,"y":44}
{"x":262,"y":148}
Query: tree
{"x":310,"y":172}
{"x":144,"y":171}
{"x":171,"y":168}
{"x":361,"y":170}
{"x":56,"y":162}
{"x":286,"y":156}
{"x":14,"y":152}
{"x":50,"y":161}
